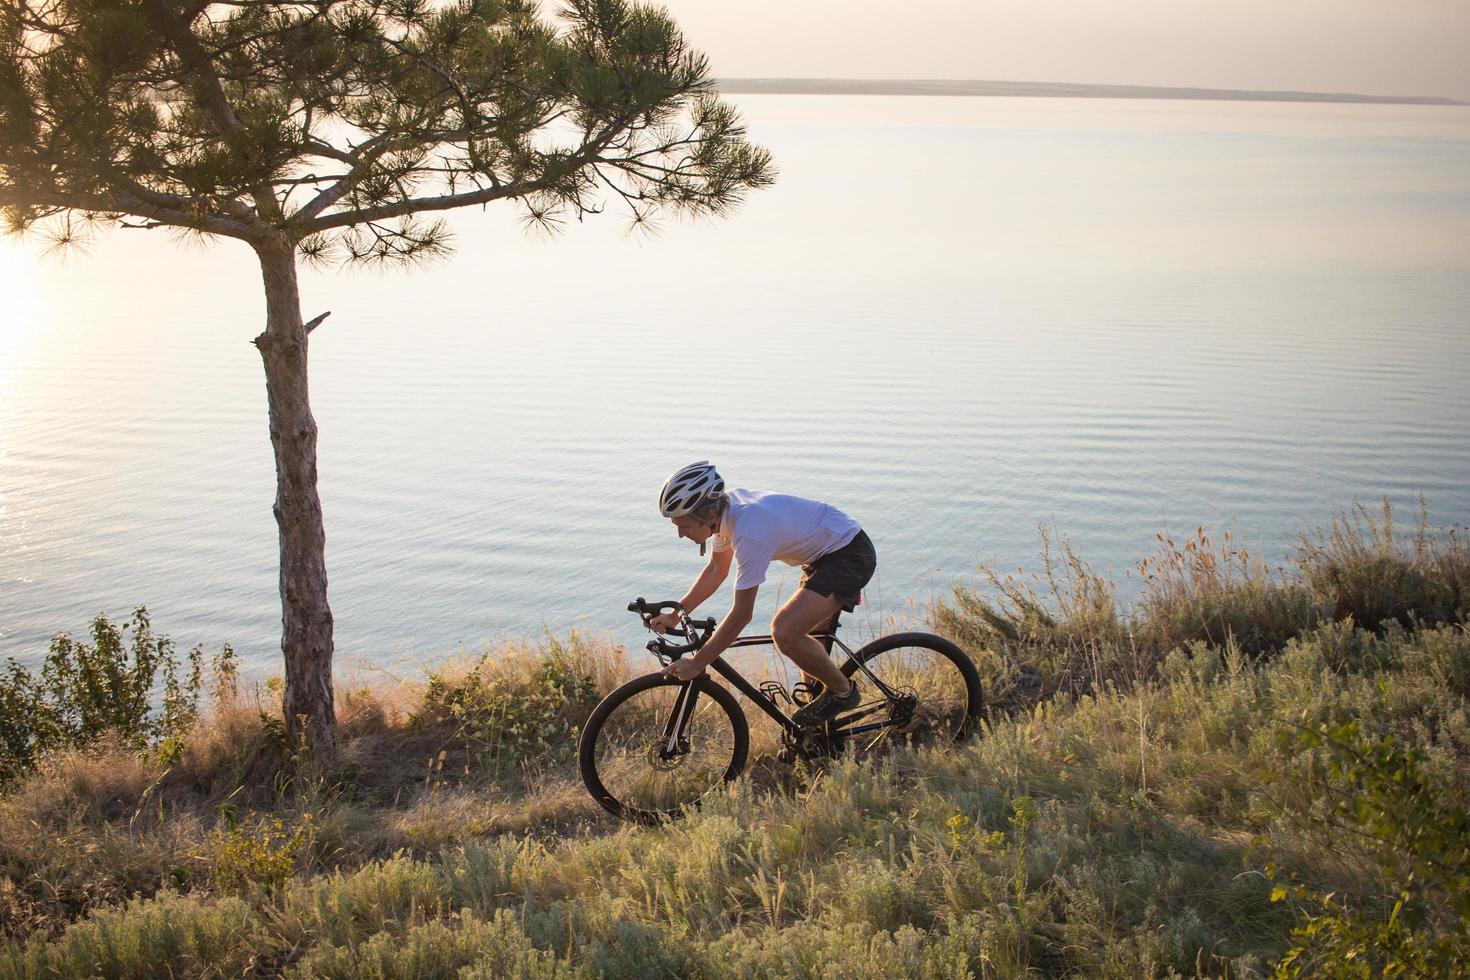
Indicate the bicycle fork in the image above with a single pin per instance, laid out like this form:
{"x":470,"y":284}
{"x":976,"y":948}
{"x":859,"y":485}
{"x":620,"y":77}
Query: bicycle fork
{"x":675,"y":740}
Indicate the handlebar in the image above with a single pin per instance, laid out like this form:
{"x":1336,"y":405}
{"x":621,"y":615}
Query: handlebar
{"x":696,"y":631}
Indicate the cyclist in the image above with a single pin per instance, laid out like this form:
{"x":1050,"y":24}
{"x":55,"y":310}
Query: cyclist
{"x":752,"y":528}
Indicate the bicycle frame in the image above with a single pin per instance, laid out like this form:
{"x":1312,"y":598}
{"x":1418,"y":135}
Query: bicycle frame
{"x":688,"y":698}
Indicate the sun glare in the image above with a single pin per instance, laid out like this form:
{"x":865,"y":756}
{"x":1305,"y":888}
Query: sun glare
{"x":17,"y":291}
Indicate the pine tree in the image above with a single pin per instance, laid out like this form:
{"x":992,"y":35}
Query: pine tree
{"x":334,"y":131}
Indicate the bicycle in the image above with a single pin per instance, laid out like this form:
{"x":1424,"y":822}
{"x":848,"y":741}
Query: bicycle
{"x":658,"y":745}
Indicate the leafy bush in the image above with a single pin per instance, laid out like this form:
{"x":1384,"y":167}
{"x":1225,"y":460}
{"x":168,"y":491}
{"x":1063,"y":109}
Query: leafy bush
{"x":132,"y":690}
{"x":260,"y":852}
{"x":1412,"y":923}
{"x":511,"y":709}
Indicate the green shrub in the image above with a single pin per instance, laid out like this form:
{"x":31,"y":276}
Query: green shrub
{"x":169,"y":935}
{"x":259,"y":852}
{"x":512,"y":709}
{"x":464,"y":946}
{"x":1413,"y":921}
{"x":131,"y":690}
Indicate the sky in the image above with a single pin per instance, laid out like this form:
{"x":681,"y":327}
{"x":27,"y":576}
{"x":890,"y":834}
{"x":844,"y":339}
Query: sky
{"x":1373,"y":47}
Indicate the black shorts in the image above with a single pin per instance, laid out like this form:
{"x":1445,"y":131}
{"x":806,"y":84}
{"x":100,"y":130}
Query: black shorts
{"x":841,"y":574}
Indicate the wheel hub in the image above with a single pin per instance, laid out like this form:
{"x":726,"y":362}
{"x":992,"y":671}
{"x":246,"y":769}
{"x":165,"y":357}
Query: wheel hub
{"x":664,"y":761}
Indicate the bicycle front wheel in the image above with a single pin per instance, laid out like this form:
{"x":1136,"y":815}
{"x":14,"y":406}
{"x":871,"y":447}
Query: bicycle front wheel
{"x":934,"y":692}
{"x":655,"y":746}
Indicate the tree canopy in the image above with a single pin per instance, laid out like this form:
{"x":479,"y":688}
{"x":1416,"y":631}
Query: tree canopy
{"x":346,"y":125}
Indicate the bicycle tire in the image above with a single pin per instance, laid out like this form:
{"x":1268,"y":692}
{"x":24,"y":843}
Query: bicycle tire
{"x":959,"y":719}
{"x":615,"y":732}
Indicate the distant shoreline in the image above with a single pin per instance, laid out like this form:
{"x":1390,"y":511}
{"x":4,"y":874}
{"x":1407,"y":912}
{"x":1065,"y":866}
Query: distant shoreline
{"x":879,"y":86}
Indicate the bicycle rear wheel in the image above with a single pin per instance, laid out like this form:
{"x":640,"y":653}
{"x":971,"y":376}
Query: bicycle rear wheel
{"x":638,"y":767}
{"x":939,"y":697}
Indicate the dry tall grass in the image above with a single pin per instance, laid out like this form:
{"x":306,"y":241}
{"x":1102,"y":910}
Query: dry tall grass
{"x":1063,"y":630}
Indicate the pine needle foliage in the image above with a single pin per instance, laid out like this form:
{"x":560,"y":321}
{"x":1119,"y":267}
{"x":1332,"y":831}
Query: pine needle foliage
{"x":340,"y":124}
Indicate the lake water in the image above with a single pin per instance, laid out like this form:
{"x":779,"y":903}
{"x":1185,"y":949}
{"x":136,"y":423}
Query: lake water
{"x":953,"y":318}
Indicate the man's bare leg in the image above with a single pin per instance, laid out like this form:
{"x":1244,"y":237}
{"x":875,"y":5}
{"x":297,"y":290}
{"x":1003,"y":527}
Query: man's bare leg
{"x":826,"y":627}
{"x":804,"y":612}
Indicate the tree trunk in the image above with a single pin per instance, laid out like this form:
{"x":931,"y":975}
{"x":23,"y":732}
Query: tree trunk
{"x":306,"y":619}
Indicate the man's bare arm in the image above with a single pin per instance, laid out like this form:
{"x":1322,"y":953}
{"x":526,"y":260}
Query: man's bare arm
{"x":709,"y":579}
{"x":741,"y":611}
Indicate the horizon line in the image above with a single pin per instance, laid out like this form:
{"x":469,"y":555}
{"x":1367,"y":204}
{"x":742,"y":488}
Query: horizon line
{"x":979,"y":87}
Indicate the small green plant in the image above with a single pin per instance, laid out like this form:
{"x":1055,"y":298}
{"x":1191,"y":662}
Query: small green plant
{"x":127,"y":683}
{"x":505,"y":712}
{"x":966,"y":838}
{"x":1418,"y":834}
{"x":258,"y":852}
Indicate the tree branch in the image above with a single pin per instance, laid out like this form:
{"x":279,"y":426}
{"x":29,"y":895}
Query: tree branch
{"x":202,"y":78}
{"x":413,"y":205}
{"x":318,"y":148}
{"x":120,"y":204}
{"x":589,"y":152}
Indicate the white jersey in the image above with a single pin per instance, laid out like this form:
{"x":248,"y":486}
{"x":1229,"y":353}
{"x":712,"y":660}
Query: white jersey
{"x":765,"y":527}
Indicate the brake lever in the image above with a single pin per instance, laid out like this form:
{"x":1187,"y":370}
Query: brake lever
{"x":696,"y":632}
{"x":647,"y":610}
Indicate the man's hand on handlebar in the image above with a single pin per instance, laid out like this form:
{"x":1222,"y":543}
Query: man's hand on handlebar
{"x":664,"y":622}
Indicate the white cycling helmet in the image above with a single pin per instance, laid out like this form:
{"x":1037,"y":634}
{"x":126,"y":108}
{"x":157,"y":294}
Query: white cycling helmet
{"x":691,"y":486}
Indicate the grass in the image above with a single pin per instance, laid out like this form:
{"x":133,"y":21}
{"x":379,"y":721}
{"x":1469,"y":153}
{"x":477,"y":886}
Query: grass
{"x":1062,"y":630}
{"x":1144,"y":801}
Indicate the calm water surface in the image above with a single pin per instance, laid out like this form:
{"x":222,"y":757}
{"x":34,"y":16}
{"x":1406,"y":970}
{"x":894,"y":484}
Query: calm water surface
{"x":954,"y":318}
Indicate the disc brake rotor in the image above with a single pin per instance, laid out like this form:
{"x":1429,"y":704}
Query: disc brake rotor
{"x":666,"y":763}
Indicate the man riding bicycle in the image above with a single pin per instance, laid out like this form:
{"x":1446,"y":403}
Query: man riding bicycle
{"x":752,"y":528}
